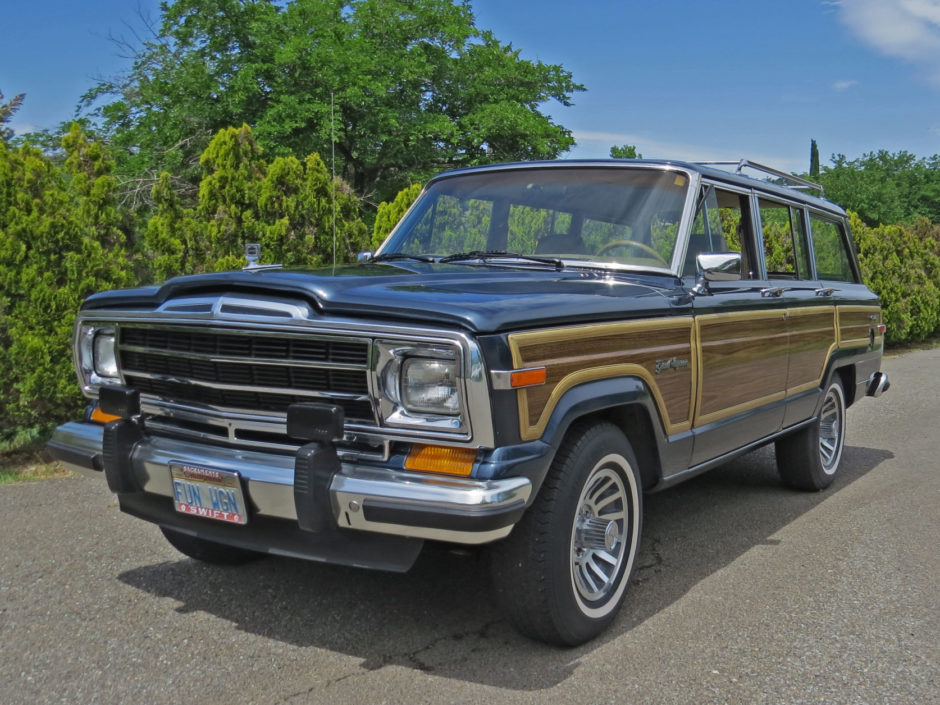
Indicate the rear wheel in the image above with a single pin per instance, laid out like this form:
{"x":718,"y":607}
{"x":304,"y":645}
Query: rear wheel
{"x":209,"y":551}
{"x":809,"y":459}
{"x":562,"y":574}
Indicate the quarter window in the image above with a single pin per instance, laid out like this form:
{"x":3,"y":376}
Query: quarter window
{"x":830,"y":246}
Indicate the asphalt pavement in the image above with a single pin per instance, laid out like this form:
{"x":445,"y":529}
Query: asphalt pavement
{"x":746,"y":592}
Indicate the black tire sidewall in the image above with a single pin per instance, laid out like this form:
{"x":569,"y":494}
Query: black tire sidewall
{"x":597,"y":443}
{"x":799,"y":462}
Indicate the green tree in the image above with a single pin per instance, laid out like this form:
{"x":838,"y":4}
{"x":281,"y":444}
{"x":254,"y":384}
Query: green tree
{"x":813,"y":159}
{"x":884,"y":187}
{"x":228,"y":199}
{"x":400,"y":88}
{"x":902,"y":265}
{"x":309,"y":218}
{"x":7,"y":110}
{"x":291,"y":207}
{"x":169,"y":238}
{"x":389,"y":213}
{"x":61,"y":239}
{"x":625,"y":151}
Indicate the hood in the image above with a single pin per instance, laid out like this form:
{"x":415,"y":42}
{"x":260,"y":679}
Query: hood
{"x":479,"y":298}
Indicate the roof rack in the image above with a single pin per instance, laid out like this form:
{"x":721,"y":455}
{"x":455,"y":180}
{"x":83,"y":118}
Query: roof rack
{"x":797,"y":182}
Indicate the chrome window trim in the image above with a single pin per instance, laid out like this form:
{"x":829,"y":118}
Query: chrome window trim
{"x":685,"y":224}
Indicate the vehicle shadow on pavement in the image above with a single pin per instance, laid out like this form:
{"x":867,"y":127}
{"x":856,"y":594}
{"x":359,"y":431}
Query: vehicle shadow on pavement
{"x":440,"y":617}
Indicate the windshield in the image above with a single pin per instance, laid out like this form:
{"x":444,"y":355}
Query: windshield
{"x":626,"y":216}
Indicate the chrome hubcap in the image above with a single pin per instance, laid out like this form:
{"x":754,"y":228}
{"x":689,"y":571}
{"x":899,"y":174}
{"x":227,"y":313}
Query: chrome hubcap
{"x":830,"y":432}
{"x":600,"y":527}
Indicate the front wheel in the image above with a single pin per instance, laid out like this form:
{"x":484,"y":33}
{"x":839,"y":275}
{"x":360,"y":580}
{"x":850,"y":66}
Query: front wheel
{"x":562,"y":574}
{"x":809,"y":459}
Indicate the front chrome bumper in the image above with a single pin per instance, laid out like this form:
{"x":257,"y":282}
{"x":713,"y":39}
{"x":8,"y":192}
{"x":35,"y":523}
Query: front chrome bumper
{"x":363,"y":497}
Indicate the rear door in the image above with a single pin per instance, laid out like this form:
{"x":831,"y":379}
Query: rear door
{"x":741,"y":332}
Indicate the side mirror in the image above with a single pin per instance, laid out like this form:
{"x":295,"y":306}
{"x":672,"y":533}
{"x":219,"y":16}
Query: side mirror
{"x":363,"y":257}
{"x":717,"y":267}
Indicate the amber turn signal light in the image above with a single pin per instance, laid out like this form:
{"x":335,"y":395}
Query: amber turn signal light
{"x":98,"y":415}
{"x":528,"y":378}
{"x":449,"y":461}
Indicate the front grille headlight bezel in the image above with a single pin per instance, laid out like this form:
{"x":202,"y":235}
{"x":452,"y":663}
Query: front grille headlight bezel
{"x":470,"y":423}
{"x":96,"y":360}
{"x":420,"y":386}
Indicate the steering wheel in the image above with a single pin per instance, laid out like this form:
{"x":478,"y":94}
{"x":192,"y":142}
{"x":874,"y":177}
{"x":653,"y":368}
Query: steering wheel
{"x":633,"y":243}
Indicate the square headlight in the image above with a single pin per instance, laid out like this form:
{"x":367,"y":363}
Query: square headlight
{"x":96,"y":356}
{"x":105,"y":359}
{"x":420,"y":386}
{"x":430,"y":386}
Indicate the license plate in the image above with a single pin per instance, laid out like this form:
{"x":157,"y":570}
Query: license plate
{"x":208,"y":493}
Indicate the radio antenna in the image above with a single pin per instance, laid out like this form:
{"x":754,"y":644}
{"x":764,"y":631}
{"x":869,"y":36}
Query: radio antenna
{"x":333,"y":174}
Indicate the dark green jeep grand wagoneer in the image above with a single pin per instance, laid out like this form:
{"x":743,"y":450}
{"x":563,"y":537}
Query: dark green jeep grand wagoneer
{"x":532,"y":348}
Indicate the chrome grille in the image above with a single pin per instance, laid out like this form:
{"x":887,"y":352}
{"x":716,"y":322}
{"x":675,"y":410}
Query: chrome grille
{"x":246,"y":371}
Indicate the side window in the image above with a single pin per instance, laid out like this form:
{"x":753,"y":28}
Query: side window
{"x":785,"y":251}
{"x":722,"y":224}
{"x":831,"y":249}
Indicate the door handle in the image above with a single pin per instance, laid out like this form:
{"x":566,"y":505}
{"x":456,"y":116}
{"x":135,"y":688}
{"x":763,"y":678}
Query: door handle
{"x":772,"y":291}
{"x":825,"y":292}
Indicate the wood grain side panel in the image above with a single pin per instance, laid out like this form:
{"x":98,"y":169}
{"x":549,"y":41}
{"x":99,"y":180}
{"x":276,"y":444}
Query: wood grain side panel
{"x":581,"y":354}
{"x":743,"y":362}
{"x":856,"y":323}
{"x":812,"y":340}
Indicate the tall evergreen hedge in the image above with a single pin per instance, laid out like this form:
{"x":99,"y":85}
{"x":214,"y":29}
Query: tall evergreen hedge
{"x":62,"y":237}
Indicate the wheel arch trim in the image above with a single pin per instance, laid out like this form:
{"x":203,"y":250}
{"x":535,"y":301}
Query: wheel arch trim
{"x":606,"y":396}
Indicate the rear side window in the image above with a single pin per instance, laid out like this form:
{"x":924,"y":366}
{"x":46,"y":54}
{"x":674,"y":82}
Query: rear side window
{"x":831,"y":248}
{"x":785,"y":251}
{"x":777,"y":234}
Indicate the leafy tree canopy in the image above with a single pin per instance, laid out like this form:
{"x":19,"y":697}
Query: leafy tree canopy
{"x":389,"y":214}
{"x":62,"y":237}
{"x":404,"y":87}
{"x":7,"y":111}
{"x":625,"y":151}
{"x":884,"y":187}
{"x":292,"y":207}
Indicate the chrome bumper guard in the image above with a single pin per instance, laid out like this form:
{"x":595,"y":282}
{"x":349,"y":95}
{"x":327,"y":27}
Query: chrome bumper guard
{"x":878,"y":384}
{"x":366,"y":498}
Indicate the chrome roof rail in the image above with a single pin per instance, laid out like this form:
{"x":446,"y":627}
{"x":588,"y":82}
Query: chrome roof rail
{"x":797,"y":182}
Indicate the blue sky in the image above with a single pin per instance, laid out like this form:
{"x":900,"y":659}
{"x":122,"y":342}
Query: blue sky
{"x":683,"y":79}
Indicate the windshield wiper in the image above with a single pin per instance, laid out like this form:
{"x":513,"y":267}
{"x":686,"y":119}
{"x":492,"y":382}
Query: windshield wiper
{"x":486,"y":255}
{"x":392,"y":256}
